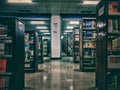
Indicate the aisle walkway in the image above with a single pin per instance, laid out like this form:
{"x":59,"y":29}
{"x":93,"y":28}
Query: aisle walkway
{"x":59,"y":75}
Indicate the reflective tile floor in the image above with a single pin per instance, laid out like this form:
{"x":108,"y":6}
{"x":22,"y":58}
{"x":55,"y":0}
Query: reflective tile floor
{"x":60,"y":74}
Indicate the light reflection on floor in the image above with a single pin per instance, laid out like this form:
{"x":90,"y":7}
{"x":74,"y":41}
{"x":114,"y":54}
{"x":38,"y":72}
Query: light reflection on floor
{"x":60,"y":74}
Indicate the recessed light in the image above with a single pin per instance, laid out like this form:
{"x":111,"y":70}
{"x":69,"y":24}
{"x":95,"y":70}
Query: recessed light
{"x":90,"y":2}
{"x":19,"y":1}
{"x":44,"y":31}
{"x":41,"y":27}
{"x":37,"y":22}
{"x":69,"y":27}
{"x":74,"y":22}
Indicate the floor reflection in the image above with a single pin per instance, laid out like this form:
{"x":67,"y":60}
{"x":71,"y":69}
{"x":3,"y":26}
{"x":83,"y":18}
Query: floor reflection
{"x":60,"y":74}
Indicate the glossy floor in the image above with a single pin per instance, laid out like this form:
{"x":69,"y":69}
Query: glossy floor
{"x":60,"y":74}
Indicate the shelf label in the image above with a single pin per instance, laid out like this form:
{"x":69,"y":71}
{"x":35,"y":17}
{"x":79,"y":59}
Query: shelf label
{"x":101,"y":11}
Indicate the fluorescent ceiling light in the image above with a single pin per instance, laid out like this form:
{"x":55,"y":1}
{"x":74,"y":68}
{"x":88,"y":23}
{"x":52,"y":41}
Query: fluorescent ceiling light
{"x":64,"y":33}
{"x":37,"y":22}
{"x":74,"y":22}
{"x":90,"y":2}
{"x":44,"y":31}
{"x":41,"y":27}
{"x":69,"y":27}
{"x":19,"y":1}
{"x":68,"y":31}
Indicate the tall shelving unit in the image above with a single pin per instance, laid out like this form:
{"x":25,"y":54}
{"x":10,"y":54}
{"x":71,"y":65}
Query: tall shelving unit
{"x":40,"y":49}
{"x":64,"y":43}
{"x":69,"y":43}
{"x":88,"y":44}
{"x":31,"y":51}
{"x":76,"y":46}
{"x":108,"y":47}
{"x":45,"y":47}
{"x":11,"y":54}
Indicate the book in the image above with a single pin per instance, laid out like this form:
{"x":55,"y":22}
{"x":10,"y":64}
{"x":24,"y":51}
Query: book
{"x":3,"y":65}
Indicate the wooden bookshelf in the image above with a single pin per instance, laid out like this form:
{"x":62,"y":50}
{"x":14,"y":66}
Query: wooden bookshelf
{"x":108,"y":62}
{"x":31,"y":51}
{"x":11,"y":54}
{"x":88,"y":44}
{"x":40,"y":49}
{"x":76,"y":46}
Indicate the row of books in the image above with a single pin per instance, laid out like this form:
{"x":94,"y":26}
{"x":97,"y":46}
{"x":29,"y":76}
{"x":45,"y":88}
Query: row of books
{"x":113,"y":81}
{"x":89,"y":44}
{"x":116,"y":43}
{"x":89,"y":24}
{"x":3,"y":65}
{"x":113,"y":25}
{"x":4,"y":83}
{"x":3,"y":29}
{"x":114,"y":59}
{"x":89,"y":34}
{"x":89,"y":53}
{"x":114,"y":7}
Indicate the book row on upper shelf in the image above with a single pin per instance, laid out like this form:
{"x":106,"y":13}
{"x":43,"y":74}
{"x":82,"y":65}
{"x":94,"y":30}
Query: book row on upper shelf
{"x":114,"y":7}
{"x":89,"y":24}
{"x":115,"y":44}
{"x":3,"y":30}
{"x":113,"y":25}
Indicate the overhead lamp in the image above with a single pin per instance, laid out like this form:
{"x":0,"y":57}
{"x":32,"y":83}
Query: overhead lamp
{"x":68,"y":31}
{"x":47,"y":33}
{"x":37,"y":22}
{"x":74,"y":22}
{"x":41,"y":27}
{"x":90,"y":2}
{"x":19,"y":1}
{"x":69,"y":27}
{"x":44,"y":31}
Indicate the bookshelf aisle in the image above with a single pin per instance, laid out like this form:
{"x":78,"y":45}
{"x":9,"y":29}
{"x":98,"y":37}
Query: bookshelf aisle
{"x":88,"y":44}
{"x":108,"y":40}
{"x":11,"y":54}
{"x":76,"y":46}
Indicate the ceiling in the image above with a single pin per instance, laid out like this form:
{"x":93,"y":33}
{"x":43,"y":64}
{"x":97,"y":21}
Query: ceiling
{"x":48,"y":6}
{"x":54,"y":7}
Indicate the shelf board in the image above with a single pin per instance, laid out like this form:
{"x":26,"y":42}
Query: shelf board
{"x":5,"y":38}
{"x":114,"y":56}
{"x":89,"y":18}
{"x":84,"y":29}
{"x":113,"y":33}
{"x":114,"y":14}
{"x":5,"y":74}
{"x":89,"y":48}
{"x":113,"y":69}
{"x":113,"y":88}
{"x":89,"y":57}
{"x":89,"y":68}
{"x":88,"y":38}
{"x":114,"y":50}
{"x":5,"y":56}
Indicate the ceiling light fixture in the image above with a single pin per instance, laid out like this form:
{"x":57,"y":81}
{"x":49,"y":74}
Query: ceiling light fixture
{"x":69,"y":27}
{"x":19,"y":1}
{"x":46,"y":31}
{"x":74,"y":22}
{"x":41,"y":27}
{"x":37,"y":22}
{"x":68,"y":31}
{"x":90,"y":2}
